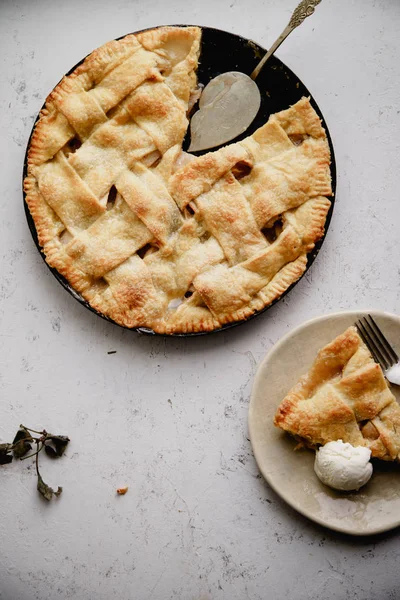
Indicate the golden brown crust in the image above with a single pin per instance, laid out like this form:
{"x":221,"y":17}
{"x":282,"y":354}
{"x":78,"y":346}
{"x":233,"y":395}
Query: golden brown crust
{"x":152,"y":237}
{"x":344,"y":396}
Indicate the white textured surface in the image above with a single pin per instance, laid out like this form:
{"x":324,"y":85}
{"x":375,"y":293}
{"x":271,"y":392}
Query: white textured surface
{"x":168,"y":417}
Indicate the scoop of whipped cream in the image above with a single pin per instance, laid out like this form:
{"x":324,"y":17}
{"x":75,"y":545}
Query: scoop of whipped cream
{"x":342,"y":466}
{"x":393,"y":374}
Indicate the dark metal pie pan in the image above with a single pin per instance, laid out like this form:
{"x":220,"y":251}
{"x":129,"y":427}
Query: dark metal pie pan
{"x":222,"y":51}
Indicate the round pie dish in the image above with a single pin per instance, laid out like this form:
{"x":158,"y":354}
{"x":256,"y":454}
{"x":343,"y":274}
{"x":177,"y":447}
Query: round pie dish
{"x":375,"y":508}
{"x":220,"y":51}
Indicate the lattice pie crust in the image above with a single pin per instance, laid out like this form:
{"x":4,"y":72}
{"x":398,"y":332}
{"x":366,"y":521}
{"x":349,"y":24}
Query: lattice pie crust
{"x":344,"y":396}
{"x":152,"y":236}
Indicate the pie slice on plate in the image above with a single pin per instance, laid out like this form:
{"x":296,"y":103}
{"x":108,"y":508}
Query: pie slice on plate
{"x":344,"y":396}
{"x":149,"y":235}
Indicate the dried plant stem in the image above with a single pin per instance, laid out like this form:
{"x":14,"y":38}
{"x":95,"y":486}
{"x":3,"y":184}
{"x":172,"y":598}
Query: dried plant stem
{"x":37,"y":460}
{"x":34,"y":453}
{"x":33,"y":430}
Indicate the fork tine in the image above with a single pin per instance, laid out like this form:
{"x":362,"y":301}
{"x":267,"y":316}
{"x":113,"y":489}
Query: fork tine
{"x":370,"y":344}
{"x":373,"y":330}
{"x":377,"y":345}
{"x":360,"y":329}
{"x":385,"y":343}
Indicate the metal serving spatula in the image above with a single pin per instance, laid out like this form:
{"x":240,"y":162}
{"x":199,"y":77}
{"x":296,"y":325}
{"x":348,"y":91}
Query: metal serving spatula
{"x":230,"y":101}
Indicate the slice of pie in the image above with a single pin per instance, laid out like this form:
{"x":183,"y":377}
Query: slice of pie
{"x":344,"y":396}
{"x":149,"y":235}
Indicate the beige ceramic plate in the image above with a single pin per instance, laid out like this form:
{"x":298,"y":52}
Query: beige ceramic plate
{"x":376,"y":507}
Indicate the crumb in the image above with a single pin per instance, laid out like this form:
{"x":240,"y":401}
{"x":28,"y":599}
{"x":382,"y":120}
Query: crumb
{"x":122,"y":491}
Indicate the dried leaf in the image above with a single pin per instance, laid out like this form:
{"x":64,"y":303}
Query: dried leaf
{"x":21,"y":448}
{"x":22,"y":434}
{"x":45,"y":490}
{"x":50,"y":451}
{"x":60,"y":442}
{"x":54,"y":446}
{"x":5,"y":455}
{"x":21,"y":443}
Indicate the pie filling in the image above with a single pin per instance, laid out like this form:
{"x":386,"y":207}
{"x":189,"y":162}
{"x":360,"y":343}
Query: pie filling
{"x":344,"y":396}
{"x":152,"y":236}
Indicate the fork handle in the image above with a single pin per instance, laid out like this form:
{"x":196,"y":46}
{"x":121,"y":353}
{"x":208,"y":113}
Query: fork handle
{"x":302,"y":11}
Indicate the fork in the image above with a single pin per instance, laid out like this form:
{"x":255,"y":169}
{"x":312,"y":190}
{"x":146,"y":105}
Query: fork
{"x":381,"y":350}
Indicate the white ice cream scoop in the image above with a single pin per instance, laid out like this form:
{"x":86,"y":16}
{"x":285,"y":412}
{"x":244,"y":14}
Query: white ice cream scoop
{"x":342,"y":466}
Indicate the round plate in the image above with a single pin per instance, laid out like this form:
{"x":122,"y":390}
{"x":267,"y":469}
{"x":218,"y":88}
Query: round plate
{"x":376,"y":507}
{"x":222,"y":51}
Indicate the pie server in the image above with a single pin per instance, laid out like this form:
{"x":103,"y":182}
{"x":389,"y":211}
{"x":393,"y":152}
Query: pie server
{"x":230,"y":101}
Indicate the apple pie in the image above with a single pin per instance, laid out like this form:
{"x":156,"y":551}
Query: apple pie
{"x":154,"y":237}
{"x":344,"y":396}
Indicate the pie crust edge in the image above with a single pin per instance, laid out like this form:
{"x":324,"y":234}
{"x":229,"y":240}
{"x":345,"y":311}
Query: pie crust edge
{"x":48,"y":225}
